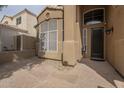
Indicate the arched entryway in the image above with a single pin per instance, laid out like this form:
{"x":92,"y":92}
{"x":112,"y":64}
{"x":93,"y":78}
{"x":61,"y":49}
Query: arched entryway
{"x":93,"y":33}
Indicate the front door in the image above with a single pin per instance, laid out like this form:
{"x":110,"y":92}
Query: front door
{"x":97,"y":44}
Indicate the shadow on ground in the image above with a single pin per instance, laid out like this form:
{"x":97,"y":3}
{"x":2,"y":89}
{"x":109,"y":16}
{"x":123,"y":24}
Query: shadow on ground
{"x":104,"y":69}
{"x":7,"y":69}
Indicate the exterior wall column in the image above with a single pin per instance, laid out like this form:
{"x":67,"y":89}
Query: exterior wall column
{"x":0,"y":42}
{"x":69,"y":38}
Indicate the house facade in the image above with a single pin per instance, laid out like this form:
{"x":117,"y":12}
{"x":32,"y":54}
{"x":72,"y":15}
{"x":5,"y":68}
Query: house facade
{"x":89,"y":31}
{"x":23,"y":20}
{"x":49,"y":32}
{"x":17,"y":36}
{"x":8,"y":38}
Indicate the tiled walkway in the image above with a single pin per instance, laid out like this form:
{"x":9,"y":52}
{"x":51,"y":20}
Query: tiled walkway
{"x":35,"y":72}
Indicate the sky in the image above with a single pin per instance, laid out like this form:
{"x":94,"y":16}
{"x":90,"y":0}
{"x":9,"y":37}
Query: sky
{"x":11,"y":10}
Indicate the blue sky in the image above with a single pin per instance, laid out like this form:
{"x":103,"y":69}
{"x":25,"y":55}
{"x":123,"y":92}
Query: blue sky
{"x":13,"y":9}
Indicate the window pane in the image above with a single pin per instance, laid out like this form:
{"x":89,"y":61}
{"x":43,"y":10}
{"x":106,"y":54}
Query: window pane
{"x":44,"y":26}
{"x":53,"y":41}
{"x":93,"y":17}
{"x":43,"y":40}
{"x":52,"y":46}
{"x":53,"y":36}
{"x":18,"y":20}
{"x":52,"y":24}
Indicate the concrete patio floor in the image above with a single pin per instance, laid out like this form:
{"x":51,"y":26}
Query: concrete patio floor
{"x":42,"y":73}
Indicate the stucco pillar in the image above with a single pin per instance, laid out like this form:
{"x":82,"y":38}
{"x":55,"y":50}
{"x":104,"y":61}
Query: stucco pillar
{"x":0,"y":42}
{"x":69,"y":40}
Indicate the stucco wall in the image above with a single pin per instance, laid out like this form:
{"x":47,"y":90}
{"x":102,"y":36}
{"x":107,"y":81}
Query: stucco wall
{"x":69,"y":55}
{"x":53,"y":14}
{"x":31,"y":22}
{"x":115,"y":40}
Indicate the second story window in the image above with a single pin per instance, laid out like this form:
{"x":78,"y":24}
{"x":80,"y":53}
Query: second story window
{"x":18,"y":20}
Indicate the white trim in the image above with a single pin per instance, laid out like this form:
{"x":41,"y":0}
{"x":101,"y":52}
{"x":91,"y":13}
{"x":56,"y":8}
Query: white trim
{"x":93,"y":10}
{"x":85,"y":44}
{"x":48,"y":36}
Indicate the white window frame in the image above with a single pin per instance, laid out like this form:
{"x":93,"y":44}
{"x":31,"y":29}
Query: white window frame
{"x":84,"y":40}
{"x":40,"y":41}
{"x":48,"y":50}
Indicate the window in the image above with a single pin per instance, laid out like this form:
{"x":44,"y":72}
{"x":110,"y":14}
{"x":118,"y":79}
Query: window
{"x":48,"y":36}
{"x":94,"y":17}
{"x":18,"y":20}
{"x":44,"y":36}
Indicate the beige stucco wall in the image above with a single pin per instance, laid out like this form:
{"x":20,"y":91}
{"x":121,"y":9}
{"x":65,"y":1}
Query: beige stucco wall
{"x":31,"y":22}
{"x":115,"y":41}
{"x":53,"y":14}
{"x":58,"y":15}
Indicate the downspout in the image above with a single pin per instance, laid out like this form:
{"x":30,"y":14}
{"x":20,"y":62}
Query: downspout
{"x":62,"y":37}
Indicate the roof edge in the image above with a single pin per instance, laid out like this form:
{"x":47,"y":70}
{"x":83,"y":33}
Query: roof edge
{"x":18,"y":29}
{"x":50,"y":7}
{"x":28,"y":11}
{"x":6,"y":16}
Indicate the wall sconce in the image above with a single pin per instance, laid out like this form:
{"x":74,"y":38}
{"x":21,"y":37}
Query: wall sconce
{"x":109,"y":30}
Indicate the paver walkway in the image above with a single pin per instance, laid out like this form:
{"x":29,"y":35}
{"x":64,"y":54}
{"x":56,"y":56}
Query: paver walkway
{"x":40,"y":73}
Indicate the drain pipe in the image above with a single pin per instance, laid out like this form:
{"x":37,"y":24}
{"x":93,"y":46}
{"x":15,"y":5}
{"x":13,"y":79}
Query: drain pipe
{"x":62,"y":36}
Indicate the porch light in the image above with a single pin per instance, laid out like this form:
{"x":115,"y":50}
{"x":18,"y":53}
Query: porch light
{"x":109,"y":30}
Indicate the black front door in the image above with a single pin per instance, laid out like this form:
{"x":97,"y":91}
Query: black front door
{"x":97,"y":44}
